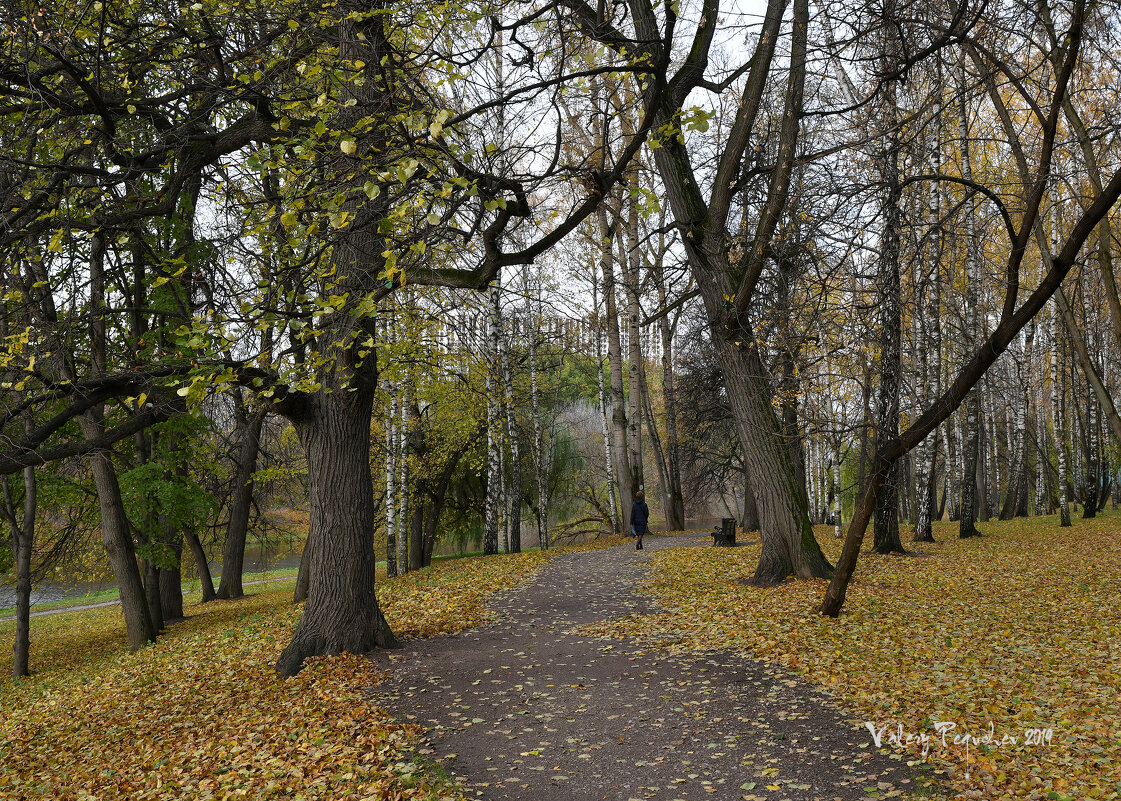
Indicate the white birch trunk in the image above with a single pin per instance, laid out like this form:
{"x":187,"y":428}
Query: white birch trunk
{"x":391,"y":484}
{"x":403,"y":565}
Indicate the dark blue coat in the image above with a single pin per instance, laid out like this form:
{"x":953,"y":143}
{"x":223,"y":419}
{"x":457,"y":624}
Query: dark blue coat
{"x":640,"y":514}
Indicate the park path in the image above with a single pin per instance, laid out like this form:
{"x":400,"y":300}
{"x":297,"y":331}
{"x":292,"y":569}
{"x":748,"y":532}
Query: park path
{"x":527,"y":708}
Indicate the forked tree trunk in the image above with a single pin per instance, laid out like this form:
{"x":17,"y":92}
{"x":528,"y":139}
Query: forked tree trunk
{"x":342,"y":612}
{"x":788,"y":544}
{"x":233,"y":554}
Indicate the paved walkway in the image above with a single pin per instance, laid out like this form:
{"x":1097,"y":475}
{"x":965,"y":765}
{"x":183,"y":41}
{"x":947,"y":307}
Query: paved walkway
{"x":525,"y":708}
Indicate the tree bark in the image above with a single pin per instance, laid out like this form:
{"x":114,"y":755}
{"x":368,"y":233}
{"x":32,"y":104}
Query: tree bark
{"x":494,"y":437}
{"x":303,"y":575}
{"x":540,"y":468}
{"x":750,"y":520}
{"x":788,"y":544}
{"x":608,"y":443}
{"x":403,"y":486}
{"x":514,"y":513}
{"x":333,"y":424}
{"x":675,"y":509}
{"x":624,"y":475}
{"x":391,"y":484}
{"x":152,"y":594}
{"x":206,"y":581}
{"x":233,"y":554}
{"x":967,"y":526}
{"x":342,"y":612}
{"x":116,"y":534}
{"x":171,"y":587}
{"x":886,"y":522}
{"x":23,"y":539}
{"x":635,"y":377}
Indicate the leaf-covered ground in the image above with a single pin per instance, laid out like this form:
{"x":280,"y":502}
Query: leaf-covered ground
{"x":202,"y":714}
{"x":1020,"y":629}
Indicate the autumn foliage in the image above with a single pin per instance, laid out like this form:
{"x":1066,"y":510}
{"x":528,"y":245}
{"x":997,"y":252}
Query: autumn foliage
{"x":1020,"y":629}
{"x":202,"y":714}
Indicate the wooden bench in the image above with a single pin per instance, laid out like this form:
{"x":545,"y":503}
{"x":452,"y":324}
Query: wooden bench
{"x":724,"y":535}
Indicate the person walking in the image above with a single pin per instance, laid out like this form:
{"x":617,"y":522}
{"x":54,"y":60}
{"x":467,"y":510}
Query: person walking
{"x":640,"y":513}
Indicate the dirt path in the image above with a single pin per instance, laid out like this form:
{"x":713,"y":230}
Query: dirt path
{"x":525,"y":708}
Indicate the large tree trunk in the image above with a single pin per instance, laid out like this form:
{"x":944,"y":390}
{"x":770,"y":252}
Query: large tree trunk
{"x":233,"y":554}
{"x":342,"y":612}
{"x":788,"y":544}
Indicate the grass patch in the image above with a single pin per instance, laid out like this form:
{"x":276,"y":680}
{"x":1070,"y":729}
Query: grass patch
{"x":1020,"y":628}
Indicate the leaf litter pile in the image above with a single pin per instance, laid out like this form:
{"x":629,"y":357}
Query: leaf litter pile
{"x":202,"y":714}
{"x":1019,"y":630}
